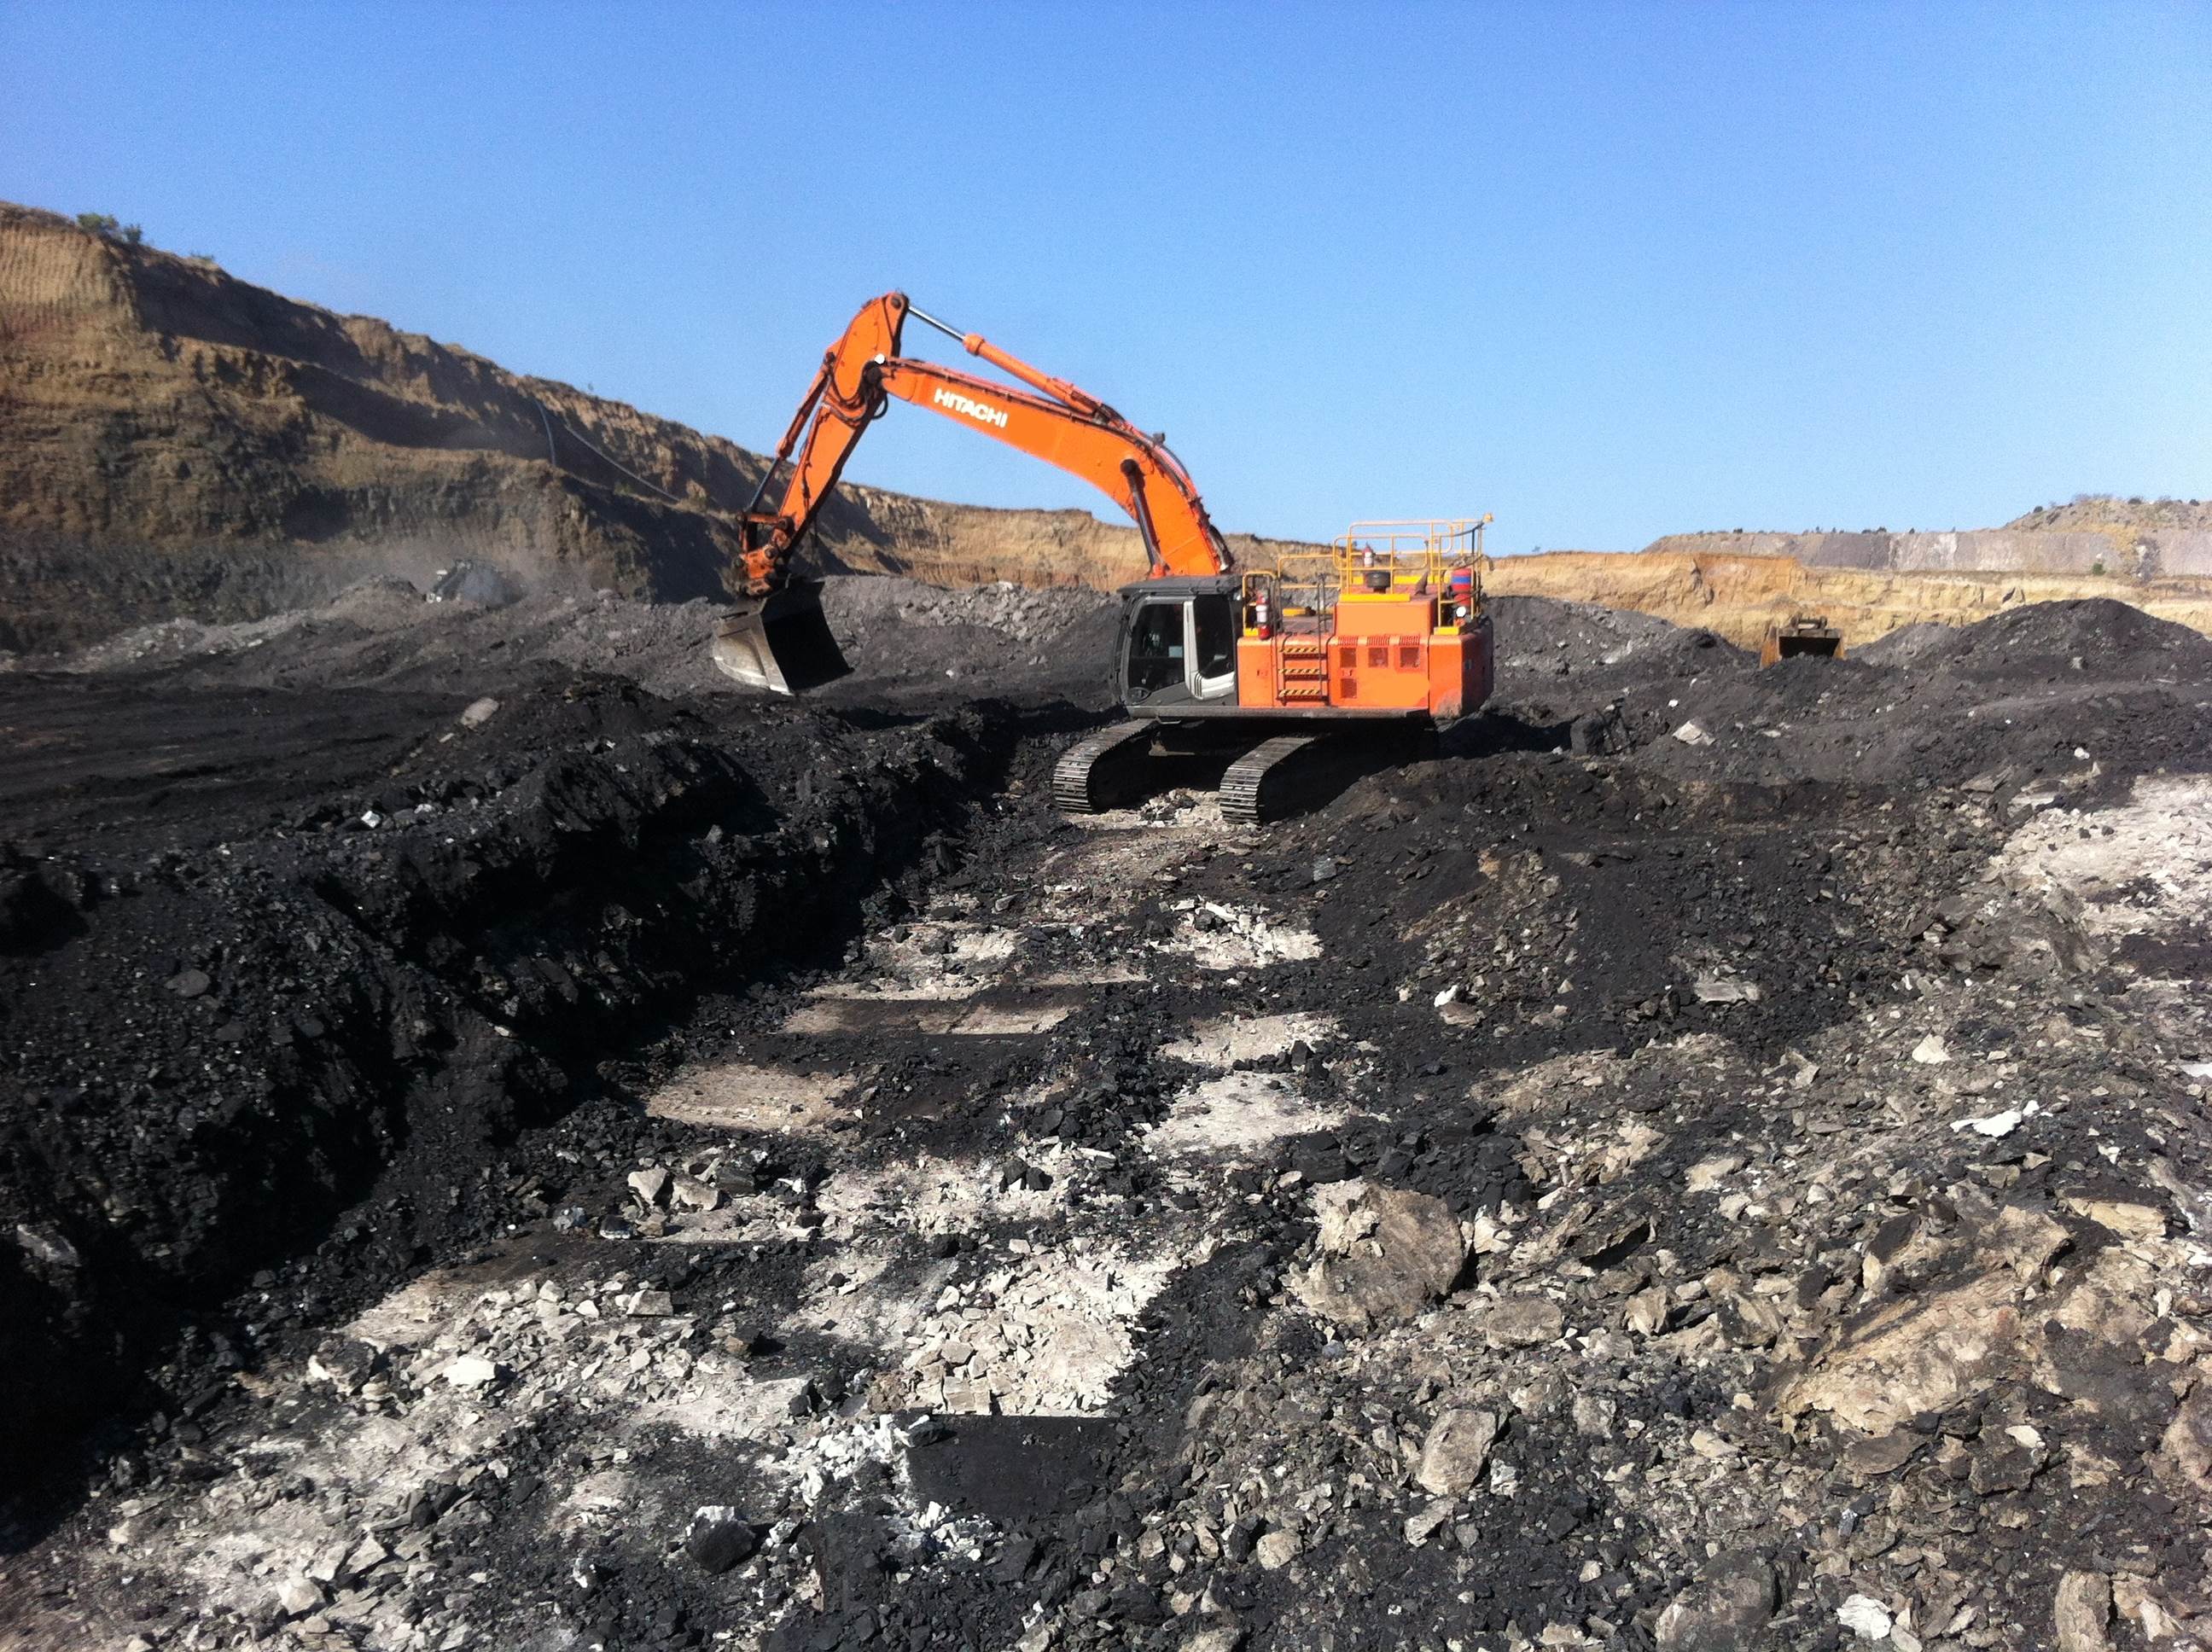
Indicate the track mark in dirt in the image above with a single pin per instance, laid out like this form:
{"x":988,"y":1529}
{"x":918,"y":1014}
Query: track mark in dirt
{"x":1235,"y":1118}
{"x":739,"y":1096}
{"x":1227,"y":1039}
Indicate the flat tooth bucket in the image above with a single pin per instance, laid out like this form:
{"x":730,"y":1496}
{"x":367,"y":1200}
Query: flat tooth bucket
{"x":781,"y":643}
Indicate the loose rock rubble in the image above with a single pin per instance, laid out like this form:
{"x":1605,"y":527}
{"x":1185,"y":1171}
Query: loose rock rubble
{"x":1642,"y":1195}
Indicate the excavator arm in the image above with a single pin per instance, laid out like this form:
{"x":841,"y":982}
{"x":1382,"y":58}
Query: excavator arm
{"x":1137,"y":473}
{"x":1051,"y":420}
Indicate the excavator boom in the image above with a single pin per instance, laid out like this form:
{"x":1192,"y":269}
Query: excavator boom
{"x":777,"y":638}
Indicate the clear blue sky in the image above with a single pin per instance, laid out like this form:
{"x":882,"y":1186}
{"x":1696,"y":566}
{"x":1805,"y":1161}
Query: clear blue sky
{"x":1607,"y":270}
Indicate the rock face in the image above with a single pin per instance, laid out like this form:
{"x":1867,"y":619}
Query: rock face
{"x":1734,"y":589}
{"x":2095,"y":533}
{"x":176,"y":441}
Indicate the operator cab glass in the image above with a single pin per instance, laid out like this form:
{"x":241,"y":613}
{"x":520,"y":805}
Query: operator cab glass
{"x":1157,"y":657}
{"x":1184,"y":647}
{"x":1214,"y":622}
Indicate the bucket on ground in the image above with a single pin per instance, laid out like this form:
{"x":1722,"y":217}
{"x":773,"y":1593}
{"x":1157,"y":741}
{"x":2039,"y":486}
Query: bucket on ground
{"x":1805,"y":633}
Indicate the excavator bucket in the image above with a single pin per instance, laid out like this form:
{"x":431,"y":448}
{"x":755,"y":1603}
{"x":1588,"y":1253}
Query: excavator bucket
{"x":781,"y":643}
{"x":1805,"y":633}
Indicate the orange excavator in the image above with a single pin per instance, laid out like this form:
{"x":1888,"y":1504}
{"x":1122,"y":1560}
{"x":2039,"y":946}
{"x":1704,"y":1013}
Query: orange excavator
{"x":1327,"y":656}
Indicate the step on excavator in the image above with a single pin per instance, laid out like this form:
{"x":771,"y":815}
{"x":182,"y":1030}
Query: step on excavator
{"x":1280,"y":680}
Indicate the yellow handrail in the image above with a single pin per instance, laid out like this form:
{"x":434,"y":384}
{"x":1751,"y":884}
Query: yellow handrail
{"x":1414,"y":552}
{"x":1380,"y":560}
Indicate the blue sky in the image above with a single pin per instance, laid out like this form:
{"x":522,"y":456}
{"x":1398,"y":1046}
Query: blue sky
{"x":1605,"y":270}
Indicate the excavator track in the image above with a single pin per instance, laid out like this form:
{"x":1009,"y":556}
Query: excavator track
{"x":1104,"y":770}
{"x":1283,"y":775}
{"x":1292,"y":773}
{"x":1262,"y":784}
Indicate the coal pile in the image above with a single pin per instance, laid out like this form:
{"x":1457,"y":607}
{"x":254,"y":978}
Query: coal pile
{"x":543,"y":1162}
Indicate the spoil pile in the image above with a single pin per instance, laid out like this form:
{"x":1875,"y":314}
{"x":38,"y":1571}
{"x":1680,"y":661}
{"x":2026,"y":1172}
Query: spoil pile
{"x":258,"y":983}
{"x":902,"y":639}
{"x":1592,"y":1188}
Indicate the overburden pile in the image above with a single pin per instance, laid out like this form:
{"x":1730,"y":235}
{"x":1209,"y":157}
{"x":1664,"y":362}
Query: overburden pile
{"x":498,"y":1155}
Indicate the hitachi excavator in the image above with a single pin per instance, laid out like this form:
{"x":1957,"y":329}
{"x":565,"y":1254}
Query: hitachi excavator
{"x":1286,"y":674}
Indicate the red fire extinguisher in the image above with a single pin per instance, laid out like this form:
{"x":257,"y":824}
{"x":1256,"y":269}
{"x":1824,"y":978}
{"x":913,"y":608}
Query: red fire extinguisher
{"x":1262,"y":619}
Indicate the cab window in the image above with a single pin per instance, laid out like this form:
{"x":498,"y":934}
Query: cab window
{"x":1156,"y":652}
{"x":1214,"y":618}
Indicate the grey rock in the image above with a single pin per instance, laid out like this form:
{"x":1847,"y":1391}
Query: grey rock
{"x":2006,"y":1467}
{"x":1276,"y":1550}
{"x":47,"y":1245}
{"x":1524,"y":1322}
{"x":1457,"y":1451}
{"x":296,"y":1597}
{"x":1598,"y":733}
{"x":1731,"y":1602}
{"x":1386,"y":1254}
{"x":1220,"y":1635}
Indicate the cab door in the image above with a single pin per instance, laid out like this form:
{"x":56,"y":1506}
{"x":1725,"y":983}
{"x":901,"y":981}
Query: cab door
{"x":1212,"y":645}
{"x":1156,"y":668}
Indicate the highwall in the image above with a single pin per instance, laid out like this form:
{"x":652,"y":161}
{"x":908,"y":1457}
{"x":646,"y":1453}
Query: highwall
{"x":1739,"y":595}
{"x":2133,"y":552}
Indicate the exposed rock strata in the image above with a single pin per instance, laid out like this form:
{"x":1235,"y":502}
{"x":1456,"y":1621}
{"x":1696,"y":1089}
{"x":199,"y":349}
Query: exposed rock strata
{"x":176,"y":443}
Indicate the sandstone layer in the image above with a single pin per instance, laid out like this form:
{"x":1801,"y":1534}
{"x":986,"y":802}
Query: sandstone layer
{"x":1738,"y":597}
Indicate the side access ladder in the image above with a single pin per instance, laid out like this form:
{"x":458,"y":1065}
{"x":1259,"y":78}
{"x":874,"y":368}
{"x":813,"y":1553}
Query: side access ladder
{"x":1302,"y":670}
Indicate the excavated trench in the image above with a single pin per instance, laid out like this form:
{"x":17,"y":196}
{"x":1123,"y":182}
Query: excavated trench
{"x":670,"y":1181}
{"x":301,"y":1055}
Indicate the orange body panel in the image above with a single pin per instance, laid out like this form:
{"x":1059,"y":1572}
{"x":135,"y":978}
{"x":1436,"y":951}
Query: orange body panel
{"x":1385,"y":616}
{"x":1461,"y":668}
{"x":1257,"y":687}
{"x":1448,"y":657}
{"x":1283,"y":673}
{"x":1379,"y":656}
{"x":1379,"y":670}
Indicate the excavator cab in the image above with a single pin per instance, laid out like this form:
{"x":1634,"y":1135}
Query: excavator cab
{"x":1178,"y":644}
{"x":780,"y":642}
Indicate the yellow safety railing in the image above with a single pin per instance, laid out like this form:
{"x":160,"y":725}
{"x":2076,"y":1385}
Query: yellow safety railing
{"x":1392,"y":558}
{"x":1381,"y":559}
